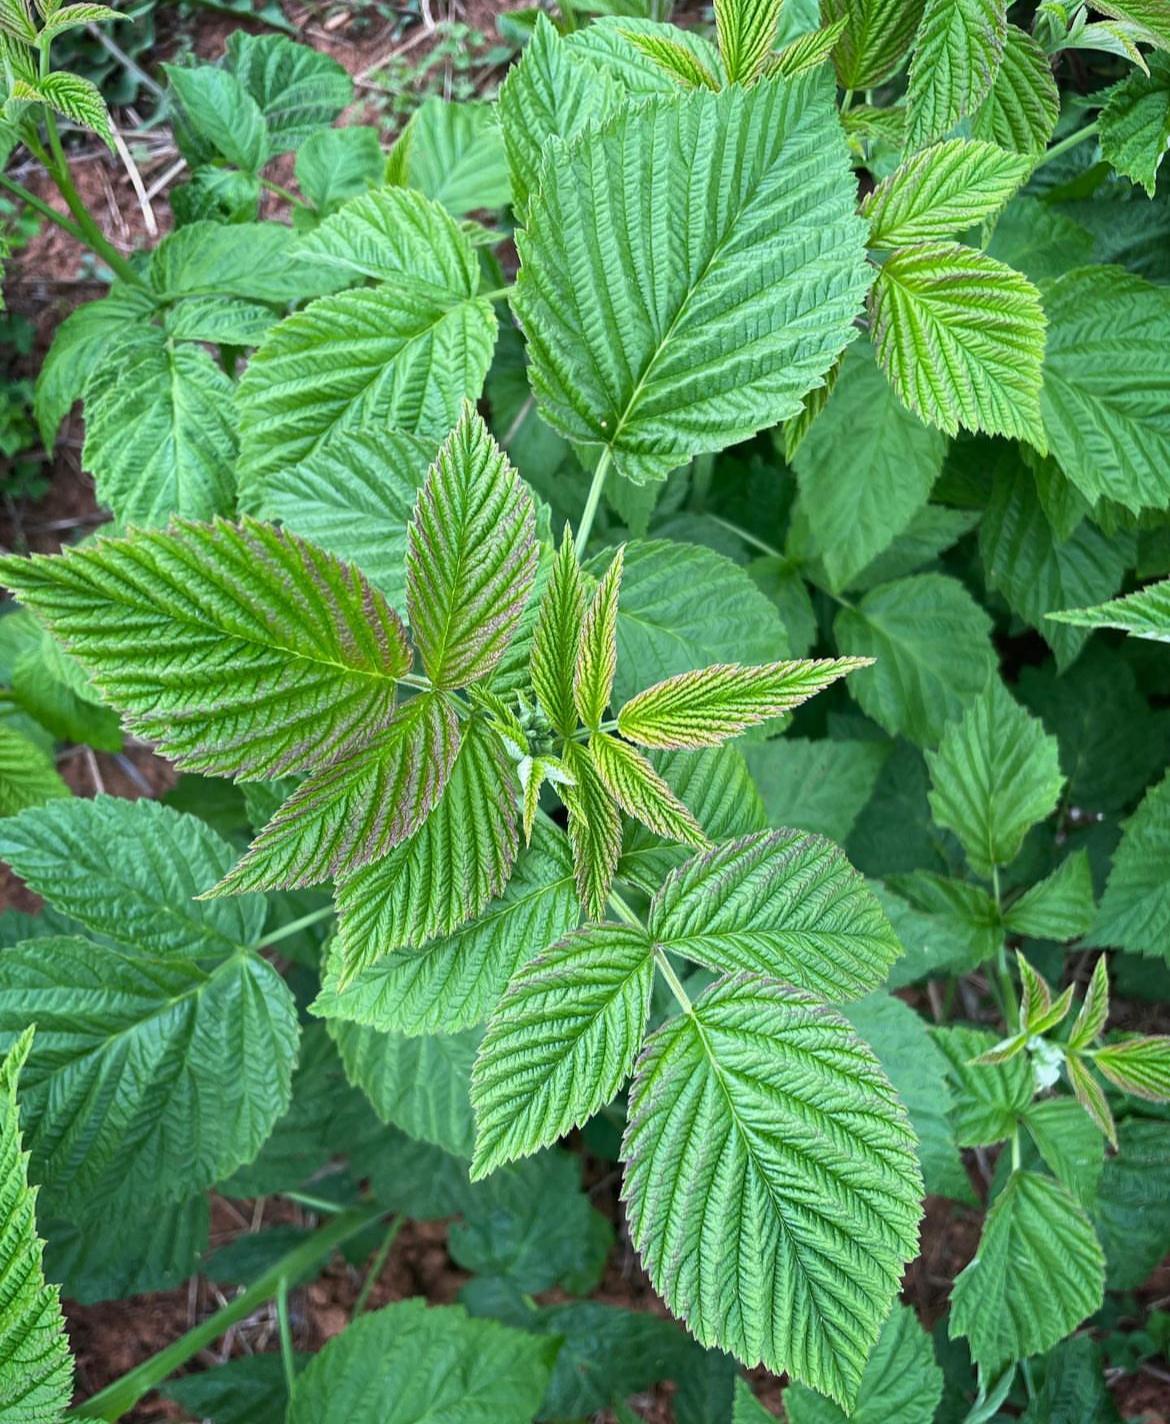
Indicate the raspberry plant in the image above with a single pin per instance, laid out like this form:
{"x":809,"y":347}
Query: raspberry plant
{"x":487,"y":835}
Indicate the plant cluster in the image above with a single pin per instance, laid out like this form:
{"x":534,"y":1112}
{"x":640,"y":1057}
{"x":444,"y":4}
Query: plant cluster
{"x":550,"y":769}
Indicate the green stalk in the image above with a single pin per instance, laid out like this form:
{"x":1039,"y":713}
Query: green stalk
{"x":120,"y":1397}
{"x":295,"y":926}
{"x":585,"y":528}
{"x":40,"y":206}
{"x":626,"y":914}
{"x":91,"y":234}
{"x":376,"y":1266}
{"x":286,"y":1339}
{"x":1066,"y":143}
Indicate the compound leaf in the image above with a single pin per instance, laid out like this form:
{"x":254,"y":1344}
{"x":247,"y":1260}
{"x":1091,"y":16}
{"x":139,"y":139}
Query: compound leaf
{"x":561,"y":1042}
{"x":942,"y":190}
{"x":456,"y":981}
{"x":957,"y":56}
{"x":754,"y":285}
{"x":995,"y":774}
{"x":470,"y":557}
{"x":1020,"y":110}
{"x":409,"y":1363}
{"x":149,"y":1078}
{"x":782,"y":904}
{"x":764,"y":1135}
{"x":458,"y":860}
{"x":1106,"y":396}
{"x":961,"y":339}
{"x":359,"y":808}
{"x":239,"y":650}
{"x":714,"y":704}
{"x":36,"y":1372}
{"x":932,"y":653}
{"x":131,"y":870}
{"x":1039,"y":1271}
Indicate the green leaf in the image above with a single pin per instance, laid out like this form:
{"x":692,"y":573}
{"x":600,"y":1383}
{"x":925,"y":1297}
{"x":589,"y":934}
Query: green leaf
{"x":747,"y":1408}
{"x":454,"y":153}
{"x":956,"y":925}
{"x":865,"y":469}
{"x":902,"y":1381}
{"x":961,"y":339}
{"x":682,"y":607}
{"x":789,"y":1106}
{"x":160,"y":437}
{"x":1132,"y":1211}
{"x":1059,"y":907}
{"x":357,"y":809}
{"x":1149,"y":19}
{"x":876,"y":37}
{"x":1039,"y":1272}
{"x":446,"y":873}
{"x":561,"y":1042}
{"x":260,"y":261}
{"x":79,"y":346}
{"x":755,"y":284}
{"x":227,"y":321}
{"x":405,"y":353}
{"x":78,"y":100}
{"x":597,"y":648}
{"x":995,"y":774}
{"x":334,"y":165}
{"x":932,"y":653}
{"x":149,"y":1078}
{"x":676,"y":59}
{"x":918,"y":1072}
{"x":221,"y":112}
{"x":456,"y":981}
{"x":36,"y":1372}
{"x":131,"y":870}
{"x":409,"y":1363}
{"x":417,"y":1084}
{"x":1144,"y":614}
{"x":551,"y":92}
{"x":470,"y":557}
{"x":807,"y":51}
{"x":1106,"y":393}
{"x":1135,"y":124}
{"x":28,"y":774}
{"x":746,"y":30}
{"x":194,"y":634}
{"x":942,"y":190}
{"x":711,"y":705}
{"x":819,"y":786}
{"x":621,"y":46}
{"x":1134,"y":913}
{"x":595,"y":830}
{"x":1140,"y":1066}
{"x":249,"y":1389}
{"x":354,"y":497}
{"x":1038,"y":240}
{"x":1020,"y":110}
{"x":1036,"y":569}
{"x":990,"y":1098}
{"x":297,"y":88}
{"x":957,"y":54}
{"x":641,"y":792}
{"x":553,"y":661}
{"x":777,"y":903}
{"x":1069,"y":1143}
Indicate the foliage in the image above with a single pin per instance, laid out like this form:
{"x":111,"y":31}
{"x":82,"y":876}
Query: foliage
{"x":593,"y":691}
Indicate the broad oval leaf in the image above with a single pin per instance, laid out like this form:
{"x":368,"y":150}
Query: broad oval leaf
{"x":876,"y":37}
{"x":239,"y":650}
{"x":561,"y":1043}
{"x":957,"y":55}
{"x":756,"y":277}
{"x":129,"y":1053}
{"x":470,"y":557}
{"x":1039,"y":1272}
{"x":764,"y":1148}
{"x":779,"y":903}
{"x":1022,"y":106}
{"x":943,"y":190}
{"x":961,"y":338}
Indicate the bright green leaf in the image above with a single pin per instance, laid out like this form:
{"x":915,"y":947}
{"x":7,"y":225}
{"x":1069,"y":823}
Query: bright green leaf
{"x":942,"y":190}
{"x":957,"y":55}
{"x":1020,"y":110}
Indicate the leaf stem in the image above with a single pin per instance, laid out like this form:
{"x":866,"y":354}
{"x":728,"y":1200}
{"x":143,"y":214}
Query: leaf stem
{"x":1065,"y":144}
{"x":40,"y":206}
{"x":91,"y":234}
{"x":1015,"y":1149}
{"x":593,"y":499}
{"x":376,"y":1266}
{"x":294,"y":927}
{"x":282,"y":192}
{"x":672,"y":980}
{"x":746,"y":536}
{"x":120,"y":1397}
{"x":499,"y":294}
{"x":286,"y":1339}
{"x":623,"y":911}
{"x":317,"y":1204}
